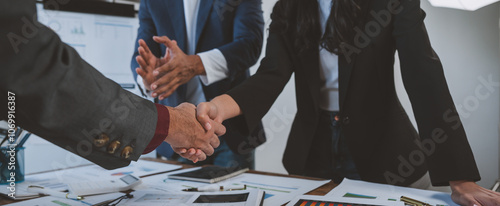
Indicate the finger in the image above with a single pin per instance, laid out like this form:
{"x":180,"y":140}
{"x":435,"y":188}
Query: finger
{"x":172,"y":44}
{"x":143,"y":53}
{"x":202,"y":114}
{"x":219,"y":129}
{"x":179,"y":150}
{"x":148,"y":59}
{"x":175,"y":48}
{"x":207,"y":149}
{"x":215,"y":142}
{"x":141,"y":72}
{"x":167,"y":57}
{"x":166,"y":90}
{"x":143,"y":44}
{"x":199,"y":152}
{"x":164,"y":69}
{"x":169,"y":92}
{"x":163,"y":83}
{"x":189,"y":157}
{"x":142,"y":63}
{"x":163,"y":40}
{"x":200,"y":155}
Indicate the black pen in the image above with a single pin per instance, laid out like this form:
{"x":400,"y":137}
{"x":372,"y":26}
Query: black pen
{"x":215,"y":188}
{"x":23,"y":140}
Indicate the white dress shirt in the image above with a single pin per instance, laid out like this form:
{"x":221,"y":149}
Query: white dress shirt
{"x":329,"y":66}
{"x":214,"y":61}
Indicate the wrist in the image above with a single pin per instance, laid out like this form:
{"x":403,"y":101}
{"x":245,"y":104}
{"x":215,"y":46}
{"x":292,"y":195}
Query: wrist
{"x":230,"y":107}
{"x":457,"y":184}
{"x":199,"y":68}
{"x":172,"y":124}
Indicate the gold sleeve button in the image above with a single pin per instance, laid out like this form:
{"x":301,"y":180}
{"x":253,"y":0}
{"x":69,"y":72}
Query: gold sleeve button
{"x":113,"y":146}
{"x":102,"y":140}
{"x":126,"y":152}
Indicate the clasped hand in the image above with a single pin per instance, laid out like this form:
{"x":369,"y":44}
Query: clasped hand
{"x":186,"y":132}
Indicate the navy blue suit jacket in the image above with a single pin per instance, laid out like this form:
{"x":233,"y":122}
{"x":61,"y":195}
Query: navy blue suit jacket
{"x":233,"y":27}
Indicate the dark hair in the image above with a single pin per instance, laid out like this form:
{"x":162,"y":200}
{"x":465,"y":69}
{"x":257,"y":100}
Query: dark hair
{"x":299,"y":19}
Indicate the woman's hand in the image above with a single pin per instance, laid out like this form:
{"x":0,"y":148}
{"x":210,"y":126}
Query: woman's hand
{"x":468,"y":193}
{"x":207,"y":111}
{"x":219,"y":109}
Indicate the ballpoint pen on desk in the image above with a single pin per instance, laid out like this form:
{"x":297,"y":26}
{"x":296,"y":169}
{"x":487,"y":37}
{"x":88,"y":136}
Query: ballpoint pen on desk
{"x":214,"y":188}
{"x":23,"y":139}
{"x":51,"y":192}
{"x":413,"y":202}
{"x":4,"y":134}
{"x":18,"y":132}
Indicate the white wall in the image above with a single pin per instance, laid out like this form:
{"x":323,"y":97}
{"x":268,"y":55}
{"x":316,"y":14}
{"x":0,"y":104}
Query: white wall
{"x":468,"y":45}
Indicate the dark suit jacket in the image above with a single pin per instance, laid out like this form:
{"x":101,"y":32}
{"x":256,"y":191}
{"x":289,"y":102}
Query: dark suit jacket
{"x":234,"y":29}
{"x":384,"y":145}
{"x":63,"y":99}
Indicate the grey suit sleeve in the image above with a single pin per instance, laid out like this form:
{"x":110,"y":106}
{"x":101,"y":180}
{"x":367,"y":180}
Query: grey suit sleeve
{"x":63,"y":99}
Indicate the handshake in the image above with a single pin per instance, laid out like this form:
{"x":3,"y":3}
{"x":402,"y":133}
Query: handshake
{"x":193,"y":133}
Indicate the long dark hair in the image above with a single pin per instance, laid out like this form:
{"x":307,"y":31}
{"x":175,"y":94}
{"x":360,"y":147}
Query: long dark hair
{"x":299,"y":19}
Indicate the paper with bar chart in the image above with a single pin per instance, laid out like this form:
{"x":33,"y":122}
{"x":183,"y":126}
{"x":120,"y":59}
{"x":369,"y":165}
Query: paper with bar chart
{"x":361,"y":190}
{"x":313,"y":200}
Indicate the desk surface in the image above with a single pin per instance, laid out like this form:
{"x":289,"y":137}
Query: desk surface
{"x":318,"y":191}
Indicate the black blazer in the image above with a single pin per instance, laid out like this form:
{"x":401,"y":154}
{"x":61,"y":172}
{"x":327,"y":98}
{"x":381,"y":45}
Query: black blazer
{"x":61,"y":98}
{"x":384,"y":145}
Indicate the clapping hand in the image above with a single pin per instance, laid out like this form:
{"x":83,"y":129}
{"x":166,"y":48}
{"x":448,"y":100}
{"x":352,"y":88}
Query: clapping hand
{"x":164,"y":75}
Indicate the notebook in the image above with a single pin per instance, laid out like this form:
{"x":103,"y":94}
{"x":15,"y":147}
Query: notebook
{"x":209,"y":174}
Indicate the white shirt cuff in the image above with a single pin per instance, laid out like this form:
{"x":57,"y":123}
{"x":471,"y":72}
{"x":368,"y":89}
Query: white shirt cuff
{"x":142,"y":87}
{"x":215,"y":66}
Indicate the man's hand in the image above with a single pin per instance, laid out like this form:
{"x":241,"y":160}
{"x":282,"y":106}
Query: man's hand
{"x":177,"y":70}
{"x":469,"y":193}
{"x":148,"y":62}
{"x":186,"y":132}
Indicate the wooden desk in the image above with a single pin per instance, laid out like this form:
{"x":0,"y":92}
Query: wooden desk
{"x":318,"y":191}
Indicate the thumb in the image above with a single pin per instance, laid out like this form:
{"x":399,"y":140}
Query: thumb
{"x":172,"y":45}
{"x":205,"y":113}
